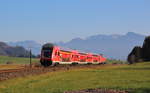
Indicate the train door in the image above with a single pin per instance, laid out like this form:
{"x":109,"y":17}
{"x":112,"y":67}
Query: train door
{"x":56,"y":55}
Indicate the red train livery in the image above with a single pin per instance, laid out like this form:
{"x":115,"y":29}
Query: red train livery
{"x":51,"y":55}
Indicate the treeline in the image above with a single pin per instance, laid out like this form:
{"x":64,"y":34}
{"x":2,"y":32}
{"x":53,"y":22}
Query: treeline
{"x":140,"y":54}
{"x":6,"y":50}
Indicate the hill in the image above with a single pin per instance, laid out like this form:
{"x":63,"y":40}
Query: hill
{"x":140,"y":54}
{"x":36,"y":47}
{"x":6,"y":50}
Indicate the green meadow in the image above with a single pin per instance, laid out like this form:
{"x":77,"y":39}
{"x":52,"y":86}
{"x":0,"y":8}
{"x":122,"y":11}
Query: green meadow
{"x":16,"y":60}
{"x":135,"y":78}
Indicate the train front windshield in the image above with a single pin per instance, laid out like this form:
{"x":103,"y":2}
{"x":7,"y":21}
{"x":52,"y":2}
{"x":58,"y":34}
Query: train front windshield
{"x":47,"y":53}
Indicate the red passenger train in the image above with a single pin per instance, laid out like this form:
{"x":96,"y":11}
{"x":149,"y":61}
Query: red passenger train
{"x":51,"y":55}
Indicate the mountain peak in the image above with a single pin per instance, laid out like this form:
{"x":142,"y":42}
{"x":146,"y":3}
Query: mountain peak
{"x":113,"y":46}
{"x":76,"y":39}
{"x":132,"y":34}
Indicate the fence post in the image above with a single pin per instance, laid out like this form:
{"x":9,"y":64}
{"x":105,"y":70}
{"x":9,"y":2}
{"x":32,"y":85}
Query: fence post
{"x":30,"y":58}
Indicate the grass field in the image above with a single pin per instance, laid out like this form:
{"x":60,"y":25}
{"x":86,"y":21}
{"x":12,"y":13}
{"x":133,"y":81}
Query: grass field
{"x":125,"y":77}
{"x":113,"y":61}
{"x":16,"y":60}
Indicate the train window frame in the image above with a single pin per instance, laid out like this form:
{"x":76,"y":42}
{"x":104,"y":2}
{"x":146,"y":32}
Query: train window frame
{"x":55,"y":53}
{"x":47,"y":53}
{"x":58,"y":53}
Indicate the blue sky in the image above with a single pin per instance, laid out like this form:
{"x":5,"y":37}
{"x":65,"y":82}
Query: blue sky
{"x":62,"y":20}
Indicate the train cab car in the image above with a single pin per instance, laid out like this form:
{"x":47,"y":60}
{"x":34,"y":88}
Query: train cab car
{"x":56,"y":55}
{"x":46,"y":54}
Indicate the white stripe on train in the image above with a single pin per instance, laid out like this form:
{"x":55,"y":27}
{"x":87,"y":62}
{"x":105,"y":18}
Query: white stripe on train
{"x":78,"y":62}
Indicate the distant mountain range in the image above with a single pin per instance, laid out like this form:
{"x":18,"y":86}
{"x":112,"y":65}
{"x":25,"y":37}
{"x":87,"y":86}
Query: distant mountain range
{"x":6,"y":50}
{"x":112,"y":46}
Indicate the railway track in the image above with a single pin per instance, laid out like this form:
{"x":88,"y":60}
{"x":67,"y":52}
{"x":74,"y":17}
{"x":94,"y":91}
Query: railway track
{"x":10,"y":70}
{"x":22,"y":72}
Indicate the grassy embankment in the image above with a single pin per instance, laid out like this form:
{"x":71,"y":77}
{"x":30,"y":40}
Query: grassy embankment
{"x":127,"y":77}
{"x":114,"y":61}
{"x":14,"y":62}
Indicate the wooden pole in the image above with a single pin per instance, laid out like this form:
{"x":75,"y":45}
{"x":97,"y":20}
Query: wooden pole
{"x":30,"y":58}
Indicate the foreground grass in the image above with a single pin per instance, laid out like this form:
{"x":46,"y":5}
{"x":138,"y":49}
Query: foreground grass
{"x":129,"y":77}
{"x":15,"y":60}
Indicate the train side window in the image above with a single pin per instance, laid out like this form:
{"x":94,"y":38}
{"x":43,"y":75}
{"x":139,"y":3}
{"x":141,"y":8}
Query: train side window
{"x":55,"y":53}
{"x":58,"y":54}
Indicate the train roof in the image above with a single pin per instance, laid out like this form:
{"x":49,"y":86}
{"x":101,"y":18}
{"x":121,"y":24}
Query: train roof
{"x":96,"y":55}
{"x":64,"y":49}
{"x":83,"y":53}
{"x":48,"y":45}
